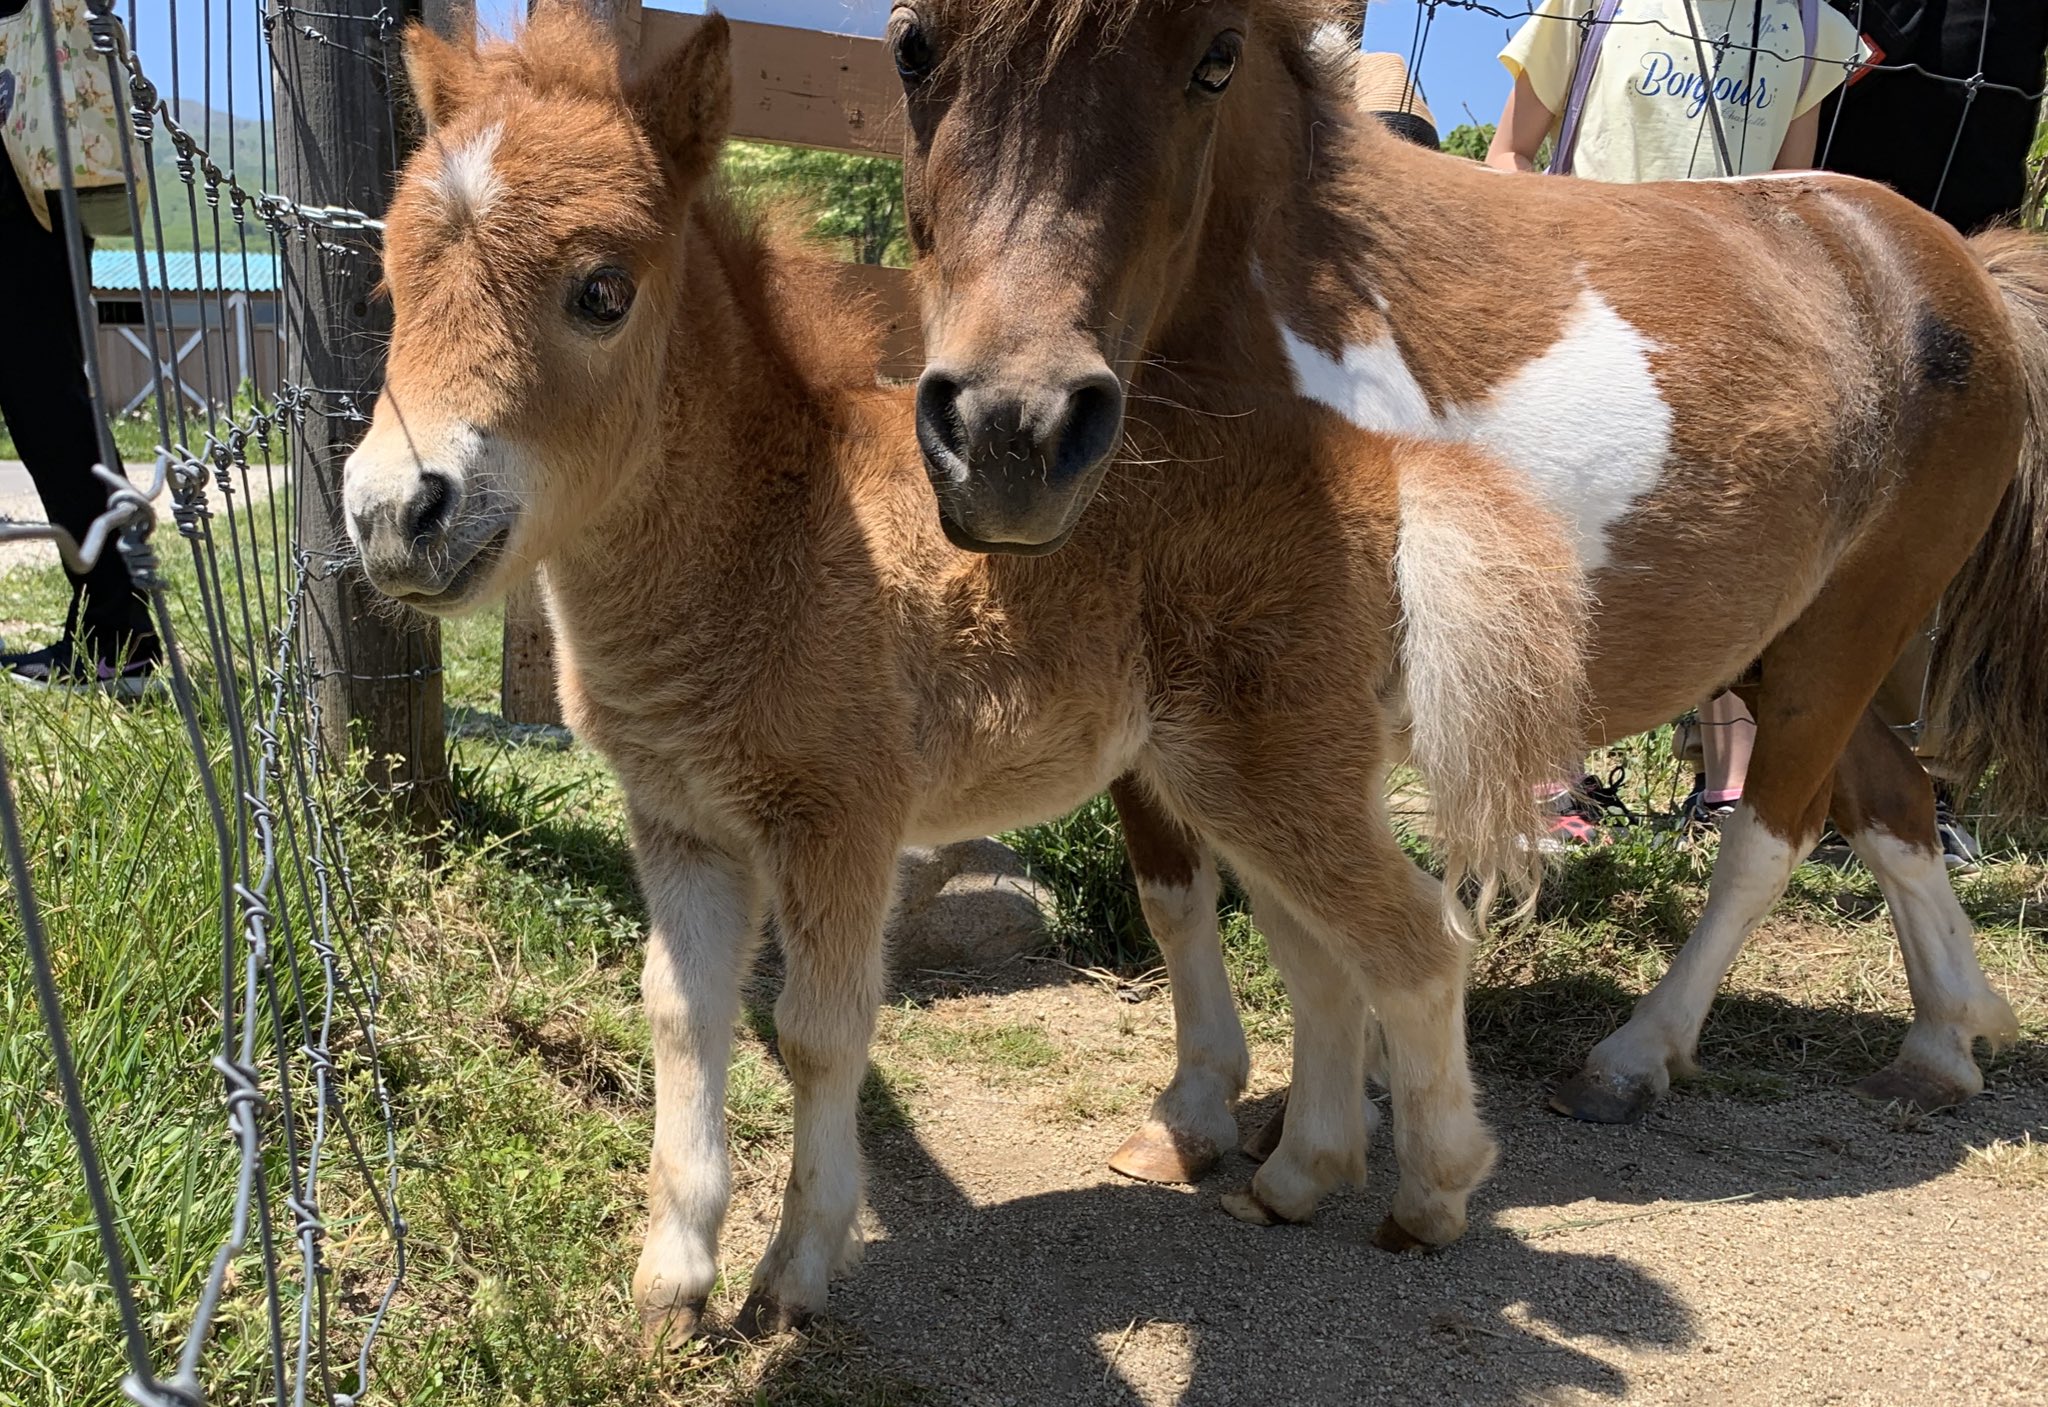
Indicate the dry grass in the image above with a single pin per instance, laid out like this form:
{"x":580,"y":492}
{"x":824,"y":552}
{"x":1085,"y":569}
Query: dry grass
{"x":2009,"y":1162}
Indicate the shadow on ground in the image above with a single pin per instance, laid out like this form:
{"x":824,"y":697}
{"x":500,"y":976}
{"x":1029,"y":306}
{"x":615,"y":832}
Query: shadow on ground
{"x":1069,"y":1296}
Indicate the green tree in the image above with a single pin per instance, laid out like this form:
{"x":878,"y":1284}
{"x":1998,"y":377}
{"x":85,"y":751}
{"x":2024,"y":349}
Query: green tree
{"x":1470,"y":139}
{"x":857,"y":200}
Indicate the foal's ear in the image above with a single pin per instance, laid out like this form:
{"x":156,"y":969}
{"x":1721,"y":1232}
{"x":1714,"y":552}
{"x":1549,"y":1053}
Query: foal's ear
{"x":685,"y":103}
{"x":437,"y":69}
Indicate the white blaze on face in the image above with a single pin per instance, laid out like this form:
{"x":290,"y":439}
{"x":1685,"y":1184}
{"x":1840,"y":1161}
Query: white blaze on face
{"x":468,"y":178}
{"x":1584,"y":421}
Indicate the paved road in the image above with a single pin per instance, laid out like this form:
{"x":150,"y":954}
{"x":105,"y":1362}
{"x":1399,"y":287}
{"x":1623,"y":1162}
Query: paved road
{"x":18,"y":501}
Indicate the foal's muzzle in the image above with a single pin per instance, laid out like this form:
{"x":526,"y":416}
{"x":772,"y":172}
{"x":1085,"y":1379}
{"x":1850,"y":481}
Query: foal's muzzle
{"x":1014,"y":466}
{"x":424,"y":534}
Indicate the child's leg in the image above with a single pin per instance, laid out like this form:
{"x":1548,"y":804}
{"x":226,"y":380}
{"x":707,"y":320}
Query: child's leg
{"x":1727,"y":733}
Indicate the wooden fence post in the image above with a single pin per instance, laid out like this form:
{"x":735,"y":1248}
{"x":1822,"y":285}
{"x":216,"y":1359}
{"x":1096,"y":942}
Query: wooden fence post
{"x":377,"y":674}
{"x":526,"y":681}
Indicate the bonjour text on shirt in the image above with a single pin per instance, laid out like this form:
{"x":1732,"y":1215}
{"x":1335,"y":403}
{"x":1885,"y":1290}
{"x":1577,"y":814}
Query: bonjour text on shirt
{"x":1645,"y":115}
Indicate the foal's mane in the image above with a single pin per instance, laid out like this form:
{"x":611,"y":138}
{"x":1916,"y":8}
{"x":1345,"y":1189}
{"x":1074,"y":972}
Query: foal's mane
{"x":998,"y":31}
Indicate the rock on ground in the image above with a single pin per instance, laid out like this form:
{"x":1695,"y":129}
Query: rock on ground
{"x":964,"y":906}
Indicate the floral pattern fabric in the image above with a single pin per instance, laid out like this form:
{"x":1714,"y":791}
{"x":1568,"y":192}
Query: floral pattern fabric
{"x":95,"y":116}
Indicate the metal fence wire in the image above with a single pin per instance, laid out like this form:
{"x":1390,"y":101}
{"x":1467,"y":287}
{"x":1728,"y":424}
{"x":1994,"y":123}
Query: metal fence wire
{"x":304,"y":1090}
{"x":261,"y":635}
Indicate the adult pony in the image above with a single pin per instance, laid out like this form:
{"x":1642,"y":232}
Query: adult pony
{"x":599,"y":367}
{"x":1801,"y":386}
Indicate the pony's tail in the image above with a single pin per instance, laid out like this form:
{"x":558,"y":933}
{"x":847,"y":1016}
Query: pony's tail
{"x":1495,"y":611}
{"x":1987,"y":692}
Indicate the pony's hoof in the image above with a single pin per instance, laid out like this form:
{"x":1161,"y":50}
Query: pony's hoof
{"x":1920,"y":1091}
{"x":1394,"y":1237}
{"x":1248,"y":1207}
{"x":1260,"y":1145}
{"x":1156,"y":1153}
{"x":669,"y":1327}
{"x":1593,"y":1100}
{"x":764,"y":1316}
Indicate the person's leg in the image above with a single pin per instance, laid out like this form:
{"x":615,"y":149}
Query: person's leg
{"x":49,"y":412}
{"x":1727,"y":733}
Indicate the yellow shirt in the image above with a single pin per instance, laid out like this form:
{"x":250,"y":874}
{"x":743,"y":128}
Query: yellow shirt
{"x":1645,"y":117}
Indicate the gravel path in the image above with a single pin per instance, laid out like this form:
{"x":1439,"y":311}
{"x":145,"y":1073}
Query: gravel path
{"x":1808,"y":1250}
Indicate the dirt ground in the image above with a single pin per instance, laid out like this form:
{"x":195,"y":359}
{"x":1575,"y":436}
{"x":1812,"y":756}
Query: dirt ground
{"x":1801,"y":1248}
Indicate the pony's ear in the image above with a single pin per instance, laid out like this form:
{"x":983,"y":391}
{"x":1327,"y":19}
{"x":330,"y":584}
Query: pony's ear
{"x":685,"y":102}
{"x":436,"y":68}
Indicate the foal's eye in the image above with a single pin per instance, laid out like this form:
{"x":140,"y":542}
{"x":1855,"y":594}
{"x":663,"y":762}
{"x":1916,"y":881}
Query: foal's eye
{"x":913,"y":49}
{"x":1212,"y":74}
{"x":604,"y":298}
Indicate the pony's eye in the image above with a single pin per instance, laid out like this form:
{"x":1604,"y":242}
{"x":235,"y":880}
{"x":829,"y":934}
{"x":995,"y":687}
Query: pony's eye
{"x":604,"y":298}
{"x":1212,"y":74}
{"x":914,"y":56}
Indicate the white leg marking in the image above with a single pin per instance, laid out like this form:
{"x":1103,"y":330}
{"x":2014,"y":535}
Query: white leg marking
{"x":831,"y":919}
{"x":1323,"y":1144}
{"x":1443,"y":1148}
{"x":1212,"y":1062}
{"x":1952,"y":1003}
{"x":703,"y":923}
{"x":1585,"y":421}
{"x":1637,"y":1062}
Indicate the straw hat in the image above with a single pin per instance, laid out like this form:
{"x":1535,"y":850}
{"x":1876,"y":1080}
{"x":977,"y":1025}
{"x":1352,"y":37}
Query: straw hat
{"x":1381,"y":84}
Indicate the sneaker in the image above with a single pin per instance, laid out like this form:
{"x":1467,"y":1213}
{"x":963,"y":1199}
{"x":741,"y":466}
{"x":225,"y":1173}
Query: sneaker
{"x":64,"y":667}
{"x":1698,"y":816}
{"x":1581,"y":814}
{"x":1959,"y":849}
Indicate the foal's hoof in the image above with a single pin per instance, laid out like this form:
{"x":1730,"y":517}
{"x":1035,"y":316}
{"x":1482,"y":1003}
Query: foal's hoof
{"x":1260,"y":1145}
{"x":1921,"y":1091}
{"x":1595,"y":1100}
{"x":670,"y":1326}
{"x":1156,"y":1153}
{"x":1247,"y":1207}
{"x":1392,"y":1236}
{"x":763,"y":1316}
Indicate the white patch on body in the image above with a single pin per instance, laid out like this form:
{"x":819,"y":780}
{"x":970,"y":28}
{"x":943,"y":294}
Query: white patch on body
{"x":1372,"y":387}
{"x":1585,"y":421}
{"x":468,"y":178}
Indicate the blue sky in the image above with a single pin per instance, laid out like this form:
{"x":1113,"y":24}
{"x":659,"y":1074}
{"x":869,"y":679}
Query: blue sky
{"x":1458,"y":68}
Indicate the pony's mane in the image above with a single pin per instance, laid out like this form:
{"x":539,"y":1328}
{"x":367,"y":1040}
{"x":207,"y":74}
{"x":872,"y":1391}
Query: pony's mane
{"x":792,"y":288}
{"x":1000,"y":31}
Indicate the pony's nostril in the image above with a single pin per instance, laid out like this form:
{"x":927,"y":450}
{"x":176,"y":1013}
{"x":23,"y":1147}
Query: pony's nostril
{"x":1091,"y":426}
{"x":941,"y":432}
{"x":431,"y":507}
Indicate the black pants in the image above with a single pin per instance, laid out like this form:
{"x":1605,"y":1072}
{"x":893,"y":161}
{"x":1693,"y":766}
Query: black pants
{"x":48,"y":409}
{"x":1900,"y":126}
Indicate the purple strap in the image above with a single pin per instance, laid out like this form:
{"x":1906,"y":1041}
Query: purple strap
{"x":1589,"y":58}
{"x":1582,"y":79}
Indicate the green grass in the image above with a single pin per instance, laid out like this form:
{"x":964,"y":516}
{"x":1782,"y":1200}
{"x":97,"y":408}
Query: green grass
{"x":137,"y":433}
{"x":518,"y":1059}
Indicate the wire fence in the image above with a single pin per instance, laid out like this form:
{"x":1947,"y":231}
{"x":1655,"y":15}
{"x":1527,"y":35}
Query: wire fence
{"x":1715,"y":48}
{"x":258,"y":666}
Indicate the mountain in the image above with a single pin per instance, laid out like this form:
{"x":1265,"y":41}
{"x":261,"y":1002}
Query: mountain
{"x":242,"y":145}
